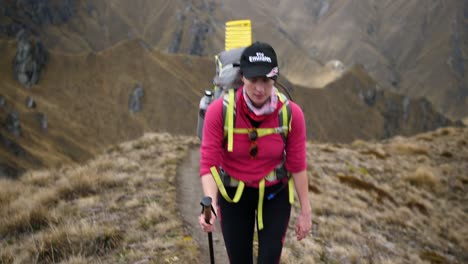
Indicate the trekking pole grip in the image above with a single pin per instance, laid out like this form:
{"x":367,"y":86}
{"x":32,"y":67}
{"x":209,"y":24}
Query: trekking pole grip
{"x":206,"y":203}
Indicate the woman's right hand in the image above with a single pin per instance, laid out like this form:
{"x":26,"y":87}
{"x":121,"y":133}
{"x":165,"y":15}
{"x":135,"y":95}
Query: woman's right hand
{"x":205,"y":226}
{"x":211,"y":190}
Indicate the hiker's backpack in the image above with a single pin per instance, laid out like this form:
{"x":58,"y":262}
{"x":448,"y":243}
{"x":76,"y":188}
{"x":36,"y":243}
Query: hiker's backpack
{"x":227,"y":77}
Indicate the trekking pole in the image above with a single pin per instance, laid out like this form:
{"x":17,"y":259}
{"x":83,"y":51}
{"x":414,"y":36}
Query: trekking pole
{"x":206,"y":203}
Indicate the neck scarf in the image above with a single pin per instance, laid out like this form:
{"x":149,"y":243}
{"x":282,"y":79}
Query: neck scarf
{"x":260,"y":113}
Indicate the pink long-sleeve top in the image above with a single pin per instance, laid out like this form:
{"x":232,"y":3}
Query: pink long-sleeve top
{"x":239,"y":164}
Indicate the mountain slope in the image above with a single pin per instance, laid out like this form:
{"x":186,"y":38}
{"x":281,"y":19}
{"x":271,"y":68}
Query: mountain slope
{"x":86,"y":101}
{"x":355,"y":107}
{"x":413,"y":47}
{"x":402,"y":200}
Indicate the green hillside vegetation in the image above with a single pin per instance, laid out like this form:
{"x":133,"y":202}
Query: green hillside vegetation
{"x":401,"y":200}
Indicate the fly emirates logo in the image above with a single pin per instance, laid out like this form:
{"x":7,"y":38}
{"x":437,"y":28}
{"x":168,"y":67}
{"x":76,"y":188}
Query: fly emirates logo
{"x":260,"y":58}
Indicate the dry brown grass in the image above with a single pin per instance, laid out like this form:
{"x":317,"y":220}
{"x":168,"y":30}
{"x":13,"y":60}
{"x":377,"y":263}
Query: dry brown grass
{"x":446,"y":131}
{"x":409,"y":148}
{"x":108,"y":210}
{"x":85,"y":183}
{"x":25,"y":220}
{"x":153,"y":215}
{"x":364,"y":210}
{"x":68,"y":240}
{"x":6,"y":257}
{"x":76,"y":260}
{"x":377,"y":152}
{"x":423,"y":177}
{"x":366,"y":186}
{"x":10,"y":190}
{"x":433,"y":257}
{"x":421,"y":207}
{"x":424,"y":214}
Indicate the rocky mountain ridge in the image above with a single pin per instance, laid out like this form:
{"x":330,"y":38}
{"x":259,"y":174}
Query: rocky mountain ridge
{"x":129,"y":89}
{"x":414,"y":48}
{"x":355,"y":102}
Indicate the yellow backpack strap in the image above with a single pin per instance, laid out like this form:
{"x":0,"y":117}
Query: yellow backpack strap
{"x":260,"y":131}
{"x":284,"y":115}
{"x":222,"y":190}
{"x":261,"y":195}
{"x":291,"y":190}
{"x":228,"y":115}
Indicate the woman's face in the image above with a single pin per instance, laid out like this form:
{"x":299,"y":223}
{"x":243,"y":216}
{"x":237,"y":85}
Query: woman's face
{"x":258,"y":89}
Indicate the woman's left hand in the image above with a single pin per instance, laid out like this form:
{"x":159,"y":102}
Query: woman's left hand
{"x":303,"y":225}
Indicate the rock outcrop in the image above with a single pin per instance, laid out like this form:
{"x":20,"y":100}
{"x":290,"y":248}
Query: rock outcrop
{"x":135,"y":103}
{"x":2,"y":101}
{"x":43,"y":121}
{"x":30,"y":58}
{"x":33,"y":14}
{"x":30,"y":102}
{"x":12,"y":123}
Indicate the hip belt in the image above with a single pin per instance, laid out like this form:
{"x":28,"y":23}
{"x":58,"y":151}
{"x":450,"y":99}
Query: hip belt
{"x":222,"y":179}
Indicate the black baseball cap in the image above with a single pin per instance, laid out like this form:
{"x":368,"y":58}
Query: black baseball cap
{"x":259,"y":60}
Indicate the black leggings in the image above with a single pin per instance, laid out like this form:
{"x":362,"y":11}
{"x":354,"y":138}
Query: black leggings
{"x":238,"y":220}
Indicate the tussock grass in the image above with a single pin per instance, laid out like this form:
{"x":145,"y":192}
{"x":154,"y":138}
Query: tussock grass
{"x":400,"y":217}
{"x":359,"y":143}
{"x":129,"y":197}
{"x":418,"y":206}
{"x":420,"y":215}
{"x":433,"y":257}
{"x":76,"y":260}
{"x":409,"y":148}
{"x":153,"y":215}
{"x":84,"y":184}
{"x":28,"y":211}
{"x":6,"y":257}
{"x":423,"y":177}
{"x":446,"y":154}
{"x":462,"y":143}
{"x":313,"y":188}
{"x":366,"y":186}
{"x":376,"y":152}
{"x":118,"y":192}
{"x":82,"y":238}
{"x":446,"y":131}
{"x":9,"y":190}
{"x":42,"y":178}
{"x":428,"y":137}
{"x":26,"y":220}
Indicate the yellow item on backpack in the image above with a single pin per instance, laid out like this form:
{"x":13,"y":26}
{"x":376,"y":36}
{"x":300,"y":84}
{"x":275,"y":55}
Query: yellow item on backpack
{"x":238,"y":34}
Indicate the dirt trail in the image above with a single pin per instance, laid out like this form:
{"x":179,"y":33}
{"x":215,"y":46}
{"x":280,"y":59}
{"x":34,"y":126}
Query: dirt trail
{"x":189,"y":194}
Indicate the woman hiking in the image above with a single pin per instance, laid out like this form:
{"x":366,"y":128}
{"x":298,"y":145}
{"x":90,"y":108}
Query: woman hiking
{"x":250,"y":183}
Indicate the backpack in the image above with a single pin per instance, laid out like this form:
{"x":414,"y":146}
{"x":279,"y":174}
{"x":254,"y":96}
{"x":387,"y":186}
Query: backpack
{"x":226,"y":81}
{"x":227,"y":76}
